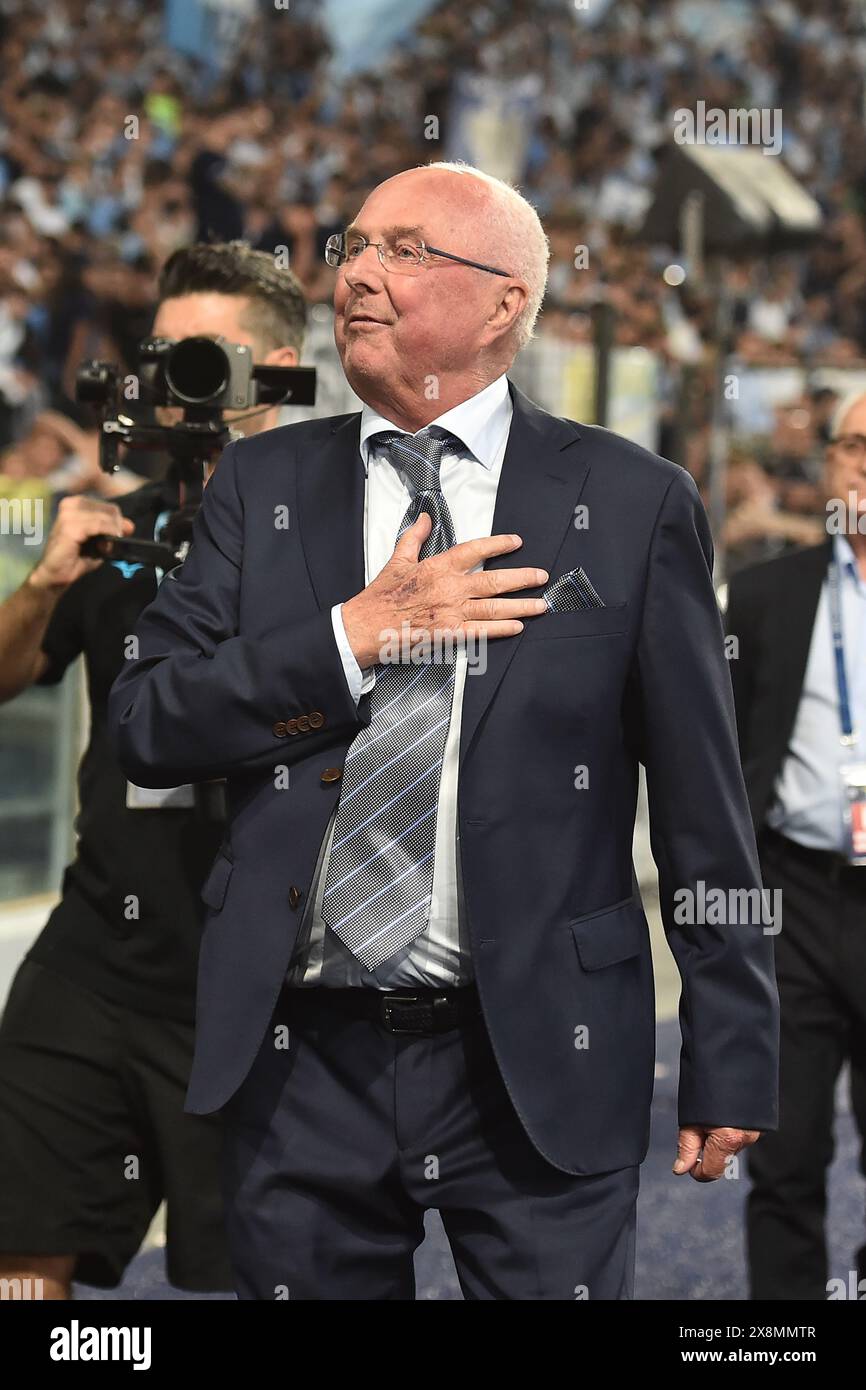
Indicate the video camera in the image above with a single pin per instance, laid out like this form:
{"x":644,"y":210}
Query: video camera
{"x":204,"y":377}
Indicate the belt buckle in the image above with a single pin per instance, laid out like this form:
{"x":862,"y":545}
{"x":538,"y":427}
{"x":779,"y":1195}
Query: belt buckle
{"x":392,"y":998}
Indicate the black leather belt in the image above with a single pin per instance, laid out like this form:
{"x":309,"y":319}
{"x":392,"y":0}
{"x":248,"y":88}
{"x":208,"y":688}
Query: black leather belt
{"x":827,"y":862}
{"x":416,"y":1011}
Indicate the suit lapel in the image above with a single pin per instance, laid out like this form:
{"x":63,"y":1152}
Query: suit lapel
{"x":539,"y":487}
{"x":793,"y":633}
{"x":331,"y":514}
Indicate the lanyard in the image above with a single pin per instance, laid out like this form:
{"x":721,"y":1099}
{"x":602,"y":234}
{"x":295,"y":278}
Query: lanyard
{"x":848,"y":736}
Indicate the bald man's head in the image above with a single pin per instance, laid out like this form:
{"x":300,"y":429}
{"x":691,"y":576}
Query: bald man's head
{"x":510,"y":229}
{"x":440,"y":325}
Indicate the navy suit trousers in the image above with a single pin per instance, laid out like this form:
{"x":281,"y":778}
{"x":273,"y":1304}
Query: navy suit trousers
{"x":343,"y":1133}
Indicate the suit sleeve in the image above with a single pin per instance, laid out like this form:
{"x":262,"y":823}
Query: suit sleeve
{"x":701,"y":832}
{"x":201,"y":701}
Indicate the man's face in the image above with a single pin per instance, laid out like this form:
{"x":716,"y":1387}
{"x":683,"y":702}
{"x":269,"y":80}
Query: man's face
{"x":399,"y":328}
{"x":210,"y":315}
{"x":846,"y":461}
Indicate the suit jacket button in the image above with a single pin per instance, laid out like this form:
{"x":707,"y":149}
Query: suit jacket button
{"x":291,"y":726}
{"x":304,"y":724}
{"x":317,"y":719}
{"x":332,"y":774}
{"x":280,"y":728}
{"x":295,"y":896}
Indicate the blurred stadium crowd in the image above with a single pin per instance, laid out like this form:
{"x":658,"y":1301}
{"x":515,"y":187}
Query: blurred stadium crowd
{"x":276,"y":151}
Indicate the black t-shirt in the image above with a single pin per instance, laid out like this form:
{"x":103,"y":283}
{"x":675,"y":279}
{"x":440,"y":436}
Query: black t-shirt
{"x":157,"y":858}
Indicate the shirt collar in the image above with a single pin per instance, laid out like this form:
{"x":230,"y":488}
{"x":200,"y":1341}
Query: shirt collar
{"x":478,"y":422}
{"x":844,"y":555}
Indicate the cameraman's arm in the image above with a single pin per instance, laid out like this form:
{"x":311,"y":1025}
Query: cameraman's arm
{"x":23,"y":619}
{"x":29,"y":613}
{"x":200,"y":701}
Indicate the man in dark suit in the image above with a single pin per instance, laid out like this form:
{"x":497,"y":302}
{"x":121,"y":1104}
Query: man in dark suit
{"x":801,"y":699}
{"x":426,"y":979}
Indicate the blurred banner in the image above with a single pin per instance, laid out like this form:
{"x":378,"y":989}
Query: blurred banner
{"x":206,"y":29}
{"x":763,"y":391}
{"x":558,"y":375}
{"x":362,"y":34}
{"x":491,"y":120}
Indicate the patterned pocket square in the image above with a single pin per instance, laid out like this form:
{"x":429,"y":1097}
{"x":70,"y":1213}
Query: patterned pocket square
{"x":570,"y":591}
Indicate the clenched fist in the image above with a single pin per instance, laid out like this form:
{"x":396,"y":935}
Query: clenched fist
{"x":77,"y":519}
{"x":703,"y":1151}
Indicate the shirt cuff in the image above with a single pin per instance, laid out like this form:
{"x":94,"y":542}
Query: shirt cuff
{"x":358,"y":681}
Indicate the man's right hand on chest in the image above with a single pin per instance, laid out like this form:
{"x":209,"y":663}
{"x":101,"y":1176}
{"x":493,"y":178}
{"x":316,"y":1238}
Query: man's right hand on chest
{"x":444,"y":593}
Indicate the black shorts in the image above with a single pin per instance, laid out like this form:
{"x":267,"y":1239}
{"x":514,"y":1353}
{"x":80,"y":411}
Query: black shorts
{"x":93,"y":1137}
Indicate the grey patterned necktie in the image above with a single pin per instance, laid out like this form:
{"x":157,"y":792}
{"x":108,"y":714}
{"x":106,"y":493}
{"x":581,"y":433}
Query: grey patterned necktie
{"x":379,"y":881}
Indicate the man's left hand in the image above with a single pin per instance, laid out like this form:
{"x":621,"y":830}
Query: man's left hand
{"x":704,"y":1152}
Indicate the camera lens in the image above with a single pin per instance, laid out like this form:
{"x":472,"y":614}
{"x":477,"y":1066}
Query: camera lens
{"x":196,"y":371}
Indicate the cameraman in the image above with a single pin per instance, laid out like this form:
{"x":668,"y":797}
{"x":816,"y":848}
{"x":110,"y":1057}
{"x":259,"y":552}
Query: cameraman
{"x":97,"y":1036}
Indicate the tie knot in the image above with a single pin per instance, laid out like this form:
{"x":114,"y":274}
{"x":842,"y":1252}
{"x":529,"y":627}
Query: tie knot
{"x":417,"y":455}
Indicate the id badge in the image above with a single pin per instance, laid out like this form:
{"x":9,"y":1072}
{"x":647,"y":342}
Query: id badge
{"x":159,"y":798}
{"x":854,"y":787}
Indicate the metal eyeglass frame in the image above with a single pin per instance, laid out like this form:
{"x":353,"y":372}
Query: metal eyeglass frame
{"x":332,"y":245}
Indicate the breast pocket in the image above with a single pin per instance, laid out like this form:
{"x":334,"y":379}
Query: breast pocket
{"x":577,"y":622}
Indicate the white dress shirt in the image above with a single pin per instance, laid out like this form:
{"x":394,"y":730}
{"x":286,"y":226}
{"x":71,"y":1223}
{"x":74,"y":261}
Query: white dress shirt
{"x":469,"y":478}
{"x":809,"y":804}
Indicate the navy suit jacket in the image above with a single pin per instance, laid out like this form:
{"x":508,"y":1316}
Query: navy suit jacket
{"x":239,"y":641}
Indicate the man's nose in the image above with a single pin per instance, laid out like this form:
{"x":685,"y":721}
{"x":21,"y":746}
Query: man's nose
{"x":364,"y":271}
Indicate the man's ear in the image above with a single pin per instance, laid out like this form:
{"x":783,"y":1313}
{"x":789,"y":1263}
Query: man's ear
{"x":507,"y":310}
{"x":282,"y":357}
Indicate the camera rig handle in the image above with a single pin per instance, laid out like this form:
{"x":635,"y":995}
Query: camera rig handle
{"x":191,"y":446}
{"x":134,"y":548}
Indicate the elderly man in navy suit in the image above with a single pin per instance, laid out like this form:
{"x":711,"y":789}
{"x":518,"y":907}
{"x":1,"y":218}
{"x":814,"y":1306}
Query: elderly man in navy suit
{"x":425,"y":979}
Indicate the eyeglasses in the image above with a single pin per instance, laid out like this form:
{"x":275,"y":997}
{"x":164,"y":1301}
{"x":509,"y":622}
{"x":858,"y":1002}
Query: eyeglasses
{"x":852,"y":445}
{"x":400,"y":254}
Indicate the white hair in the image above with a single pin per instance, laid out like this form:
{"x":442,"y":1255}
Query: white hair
{"x":525,"y":250}
{"x":837,"y":419}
